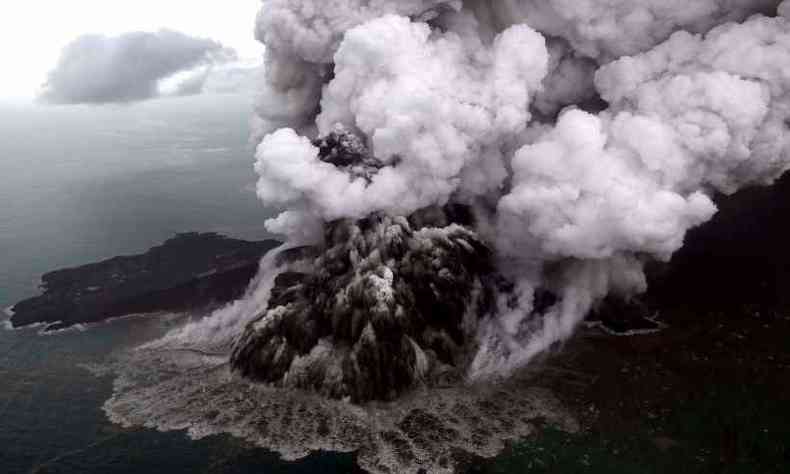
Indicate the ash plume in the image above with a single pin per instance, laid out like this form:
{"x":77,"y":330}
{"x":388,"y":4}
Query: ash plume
{"x":97,"y":69}
{"x":586,"y":138}
{"x":461,"y":183}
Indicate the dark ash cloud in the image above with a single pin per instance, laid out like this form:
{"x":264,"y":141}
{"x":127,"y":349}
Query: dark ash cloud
{"x":126,"y":68}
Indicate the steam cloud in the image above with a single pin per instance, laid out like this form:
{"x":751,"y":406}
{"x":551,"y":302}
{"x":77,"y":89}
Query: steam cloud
{"x":129,"y":67}
{"x":586,"y":136}
{"x":461,"y":183}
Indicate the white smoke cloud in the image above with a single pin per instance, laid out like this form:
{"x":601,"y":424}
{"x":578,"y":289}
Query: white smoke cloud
{"x":575,"y":197}
{"x":301,"y":38}
{"x":312,"y":30}
{"x":233,"y":77}
{"x":457,"y":100}
{"x":569,"y":80}
{"x":433,"y":103}
{"x":130,"y":67}
{"x":607,"y":29}
{"x":721,"y":100}
{"x":691,"y":115}
{"x":586,"y":135}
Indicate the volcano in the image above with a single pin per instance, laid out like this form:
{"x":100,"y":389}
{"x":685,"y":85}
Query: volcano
{"x":382,"y":304}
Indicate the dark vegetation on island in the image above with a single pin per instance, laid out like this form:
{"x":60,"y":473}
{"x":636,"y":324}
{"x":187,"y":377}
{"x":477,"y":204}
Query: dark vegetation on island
{"x":188,"y":271}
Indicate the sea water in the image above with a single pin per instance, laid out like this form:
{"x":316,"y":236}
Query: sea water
{"x":78,"y":184}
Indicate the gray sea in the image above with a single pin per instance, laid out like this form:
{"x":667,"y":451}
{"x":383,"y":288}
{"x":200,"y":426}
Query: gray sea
{"x":79,"y":184}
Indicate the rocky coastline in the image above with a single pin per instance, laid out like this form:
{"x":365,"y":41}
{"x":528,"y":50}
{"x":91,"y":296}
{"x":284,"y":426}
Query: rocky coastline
{"x":189,"y":271}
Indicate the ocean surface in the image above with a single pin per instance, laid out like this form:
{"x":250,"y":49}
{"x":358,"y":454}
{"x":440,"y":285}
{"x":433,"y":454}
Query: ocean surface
{"x":79,"y":184}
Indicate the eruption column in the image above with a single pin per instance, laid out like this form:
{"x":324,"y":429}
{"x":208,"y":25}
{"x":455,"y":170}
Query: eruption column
{"x":581,"y":147}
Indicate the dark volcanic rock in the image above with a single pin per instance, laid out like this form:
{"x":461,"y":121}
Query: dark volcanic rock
{"x":191,"y":270}
{"x":384,"y":303}
{"x":388,"y":303}
{"x":348,"y":152}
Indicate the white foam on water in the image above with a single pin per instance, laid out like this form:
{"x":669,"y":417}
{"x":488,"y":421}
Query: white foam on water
{"x":183,"y":381}
{"x":70,"y":329}
{"x":660,"y":326}
{"x":82,"y":327}
{"x":168,"y":389}
{"x":8,"y":326}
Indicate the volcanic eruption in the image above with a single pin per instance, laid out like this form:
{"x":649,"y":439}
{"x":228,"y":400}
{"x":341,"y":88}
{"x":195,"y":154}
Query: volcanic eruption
{"x":388,"y":301}
{"x":462,"y":182}
{"x":580,"y":142}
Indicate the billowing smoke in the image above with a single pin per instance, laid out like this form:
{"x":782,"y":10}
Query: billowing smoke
{"x":130,"y":67}
{"x":584,"y":137}
{"x":461,"y":183}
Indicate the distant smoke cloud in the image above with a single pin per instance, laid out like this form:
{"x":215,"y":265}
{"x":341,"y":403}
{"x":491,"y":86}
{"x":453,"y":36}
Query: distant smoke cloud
{"x":193,"y":84}
{"x":126,"y":68}
{"x":236,"y":78}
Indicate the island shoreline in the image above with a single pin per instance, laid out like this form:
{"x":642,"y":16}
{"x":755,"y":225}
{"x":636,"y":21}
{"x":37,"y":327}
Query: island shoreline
{"x":191,"y":271}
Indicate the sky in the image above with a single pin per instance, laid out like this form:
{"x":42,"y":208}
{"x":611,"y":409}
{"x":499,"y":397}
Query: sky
{"x":33,"y":32}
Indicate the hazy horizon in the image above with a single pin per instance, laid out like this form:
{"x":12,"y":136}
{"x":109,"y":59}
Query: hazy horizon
{"x":80,"y":183}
